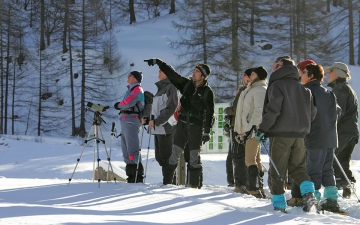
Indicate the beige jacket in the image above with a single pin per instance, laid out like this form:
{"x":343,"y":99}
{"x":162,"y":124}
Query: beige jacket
{"x":250,"y":107}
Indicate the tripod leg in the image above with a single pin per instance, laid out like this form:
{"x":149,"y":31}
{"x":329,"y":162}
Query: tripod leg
{"x":108,"y":157}
{"x":82,"y":151}
{"x":97,"y":151}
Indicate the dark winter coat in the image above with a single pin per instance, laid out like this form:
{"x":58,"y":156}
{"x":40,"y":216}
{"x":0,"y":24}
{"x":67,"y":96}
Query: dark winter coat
{"x":231,"y":110}
{"x":323,"y":132}
{"x":201,"y":110}
{"x":164,"y":105}
{"x":348,"y":102}
{"x":288,"y":105}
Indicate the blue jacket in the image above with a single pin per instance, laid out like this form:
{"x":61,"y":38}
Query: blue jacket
{"x":323,"y":131}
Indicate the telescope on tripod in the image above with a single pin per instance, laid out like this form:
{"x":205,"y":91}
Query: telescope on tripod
{"x":95,"y":131}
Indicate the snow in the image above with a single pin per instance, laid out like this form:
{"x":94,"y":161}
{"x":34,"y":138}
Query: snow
{"x":35,"y":171}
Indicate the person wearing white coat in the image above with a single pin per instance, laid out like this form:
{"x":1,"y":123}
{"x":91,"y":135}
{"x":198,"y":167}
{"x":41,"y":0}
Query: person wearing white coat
{"x":249,"y":114}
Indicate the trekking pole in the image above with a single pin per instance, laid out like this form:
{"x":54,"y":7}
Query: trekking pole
{"x":111,"y":142}
{"x":347,"y":179}
{"x":272,"y":162}
{"x":139,"y":158}
{"x":148,"y":149}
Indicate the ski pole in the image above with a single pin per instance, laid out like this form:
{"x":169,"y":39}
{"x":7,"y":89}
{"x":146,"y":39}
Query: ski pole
{"x":139,"y":157}
{"x":347,"y":179}
{"x":271,"y":160}
{"x":148,"y":149}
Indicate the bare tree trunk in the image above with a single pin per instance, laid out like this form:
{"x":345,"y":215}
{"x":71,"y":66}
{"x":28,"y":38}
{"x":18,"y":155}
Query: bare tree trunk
{"x":7,"y":70}
{"x":172,"y":7}
{"x":13,"y":100}
{"x":252,"y":23}
{"x":82,"y":131}
{"x":42,"y":24}
{"x":74,"y":131}
{"x":39,"y":107}
{"x":1,"y":74}
{"x":235,"y":40}
{"x":351,"y":34}
{"x":359,"y":34}
{"x":204,"y":31}
{"x":66,"y":24}
{"x":132,"y":12}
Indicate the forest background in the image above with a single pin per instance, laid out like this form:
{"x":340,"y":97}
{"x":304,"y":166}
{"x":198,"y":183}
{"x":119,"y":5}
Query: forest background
{"x":58,"y":55}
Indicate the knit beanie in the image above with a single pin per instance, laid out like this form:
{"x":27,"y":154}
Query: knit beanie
{"x":301,"y":65}
{"x":205,"y":69}
{"x":261,"y":72}
{"x":138,"y":75}
{"x":248,"y":72}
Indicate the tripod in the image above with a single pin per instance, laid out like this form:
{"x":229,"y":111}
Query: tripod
{"x":97,"y":129}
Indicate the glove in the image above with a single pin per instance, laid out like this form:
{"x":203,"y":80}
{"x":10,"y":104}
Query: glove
{"x":205,"y":138}
{"x":134,"y":158}
{"x":152,"y":62}
{"x":260,"y":136}
{"x":116,"y":105}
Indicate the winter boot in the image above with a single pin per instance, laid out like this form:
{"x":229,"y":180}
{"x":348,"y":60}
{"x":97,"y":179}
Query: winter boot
{"x":295,"y":202}
{"x":195,"y":178}
{"x":253,"y":185}
{"x":307,"y":191}
{"x":330,"y":205}
{"x":168,"y":172}
{"x":130,"y":170}
{"x":241,"y":189}
{"x":309,"y":201}
{"x":346,"y":191}
{"x":140,"y":173}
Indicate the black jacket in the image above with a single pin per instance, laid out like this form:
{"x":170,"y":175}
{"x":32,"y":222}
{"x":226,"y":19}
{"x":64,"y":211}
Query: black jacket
{"x":288,"y":105}
{"x":347,"y":100}
{"x":323,"y":132}
{"x":201,"y":110}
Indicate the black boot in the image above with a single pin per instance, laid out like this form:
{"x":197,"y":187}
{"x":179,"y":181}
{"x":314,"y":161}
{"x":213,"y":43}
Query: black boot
{"x":168,"y":172}
{"x":131,"y":173}
{"x":253,"y":186}
{"x":195,"y":178}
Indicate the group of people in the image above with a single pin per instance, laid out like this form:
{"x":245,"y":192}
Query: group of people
{"x":308,"y":127}
{"x":187,"y":133}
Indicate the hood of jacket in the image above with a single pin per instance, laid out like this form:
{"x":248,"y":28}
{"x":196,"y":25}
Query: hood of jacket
{"x":285,"y":72}
{"x":162,"y":83}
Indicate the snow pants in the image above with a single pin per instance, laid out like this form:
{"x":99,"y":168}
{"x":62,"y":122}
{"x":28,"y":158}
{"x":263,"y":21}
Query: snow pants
{"x":287,"y":154}
{"x":187,"y":136}
{"x":319,"y":167}
{"x":343,"y":153}
{"x":163,"y":150}
{"x":130,"y":125}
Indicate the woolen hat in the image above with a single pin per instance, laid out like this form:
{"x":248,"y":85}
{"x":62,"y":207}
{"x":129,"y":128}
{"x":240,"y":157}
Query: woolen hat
{"x":261,"y":72}
{"x":340,"y":69}
{"x":138,"y":75}
{"x":301,"y":65}
{"x":248,"y":72}
{"x":205,"y":69}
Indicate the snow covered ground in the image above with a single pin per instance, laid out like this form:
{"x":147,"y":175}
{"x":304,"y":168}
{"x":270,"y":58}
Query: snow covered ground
{"x":35,"y":189}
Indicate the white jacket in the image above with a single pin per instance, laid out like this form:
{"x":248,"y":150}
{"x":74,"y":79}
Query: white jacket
{"x":250,"y":107}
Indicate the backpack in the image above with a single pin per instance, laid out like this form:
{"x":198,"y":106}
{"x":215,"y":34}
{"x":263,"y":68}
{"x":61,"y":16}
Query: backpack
{"x":148,"y":99}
